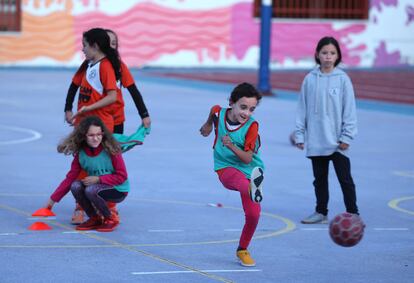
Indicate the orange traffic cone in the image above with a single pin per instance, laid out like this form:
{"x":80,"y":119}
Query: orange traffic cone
{"x":43,"y":212}
{"x":39,"y":226}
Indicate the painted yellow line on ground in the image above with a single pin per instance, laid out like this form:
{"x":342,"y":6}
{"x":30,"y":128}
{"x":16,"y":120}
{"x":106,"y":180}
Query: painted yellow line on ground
{"x":114,"y":244}
{"x":127,"y":247}
{"x":394,"y":204}
{"x":290,"y":225}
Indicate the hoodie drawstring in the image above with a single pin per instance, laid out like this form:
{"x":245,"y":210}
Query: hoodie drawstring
{"x":317,"y":93}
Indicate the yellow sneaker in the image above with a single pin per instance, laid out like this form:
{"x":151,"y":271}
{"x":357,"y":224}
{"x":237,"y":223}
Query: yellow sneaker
{"x":245,"y":259}
{"x":78,"y":215}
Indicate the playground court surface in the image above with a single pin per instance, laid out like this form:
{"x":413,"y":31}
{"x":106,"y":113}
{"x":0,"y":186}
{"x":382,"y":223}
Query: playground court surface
{"x":172,"y":229}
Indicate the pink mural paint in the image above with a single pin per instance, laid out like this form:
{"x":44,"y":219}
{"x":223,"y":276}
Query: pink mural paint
{"x":87,"y":2}
{"x":292,"y":41}
{"x":378,"y":3}
{"x":385,"y":59}
{"x":148,"y":31}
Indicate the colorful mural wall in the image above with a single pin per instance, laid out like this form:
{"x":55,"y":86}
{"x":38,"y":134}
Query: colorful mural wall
{"x":193,"y":33}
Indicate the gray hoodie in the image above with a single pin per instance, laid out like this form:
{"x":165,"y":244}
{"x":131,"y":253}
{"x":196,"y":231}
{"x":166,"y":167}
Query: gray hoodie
{"x":326,"y":112}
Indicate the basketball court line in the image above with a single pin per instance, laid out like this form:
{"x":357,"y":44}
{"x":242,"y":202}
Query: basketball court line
{"x":35,"y":135}
{"x":409,"y":174}
{"x":290,"y":225}
{"x":394,"y":204}
{"x":391,"y":229}
{"x":183,"y":271}
{"x":128,"y":248}
{"x":132,"y":248}
{"x":375,"y":229}
{"x":164,"y":231}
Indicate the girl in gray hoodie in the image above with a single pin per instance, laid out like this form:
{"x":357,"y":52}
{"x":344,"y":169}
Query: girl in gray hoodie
{"x":326,"y":125}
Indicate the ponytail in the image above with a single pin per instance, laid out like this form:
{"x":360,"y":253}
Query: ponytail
{"x":113,"y":57}
{"x":82,"y":67}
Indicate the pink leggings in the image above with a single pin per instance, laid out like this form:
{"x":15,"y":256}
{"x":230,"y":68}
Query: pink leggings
{"x":235,"y":180}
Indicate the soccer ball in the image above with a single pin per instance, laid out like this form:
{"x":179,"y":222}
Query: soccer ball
{"x":346,"y":229}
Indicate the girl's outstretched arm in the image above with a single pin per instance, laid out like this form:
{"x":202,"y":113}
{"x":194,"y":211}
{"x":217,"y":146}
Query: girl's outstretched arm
{"x":139,"y":103}
{"x":64,"y":186}
{"x":50,"y":203}
{"x":207,"y":127}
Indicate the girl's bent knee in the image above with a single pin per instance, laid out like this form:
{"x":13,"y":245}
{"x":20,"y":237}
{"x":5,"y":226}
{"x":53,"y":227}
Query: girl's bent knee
{"x":76,"y":187}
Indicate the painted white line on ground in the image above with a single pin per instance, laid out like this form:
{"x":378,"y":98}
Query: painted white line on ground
{"x":34,"y":135}
{"x":41,"y":218}
{"x":391,"y":229}
{"x":376,"y":229}
{"x":8,"y":234}
{"x":189,"y":271}
{"x":79,"y":232}
{"x":404,"y":173}
{"x":164,"y":230}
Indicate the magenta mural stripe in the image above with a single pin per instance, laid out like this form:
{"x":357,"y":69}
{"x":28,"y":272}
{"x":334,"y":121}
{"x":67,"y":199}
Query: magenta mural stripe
{"x":292,"y":41}
{"x":148,"y":31}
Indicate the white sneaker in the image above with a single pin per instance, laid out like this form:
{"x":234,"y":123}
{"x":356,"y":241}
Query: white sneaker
{"x":256,"y":181}
{"x":315,"y":218}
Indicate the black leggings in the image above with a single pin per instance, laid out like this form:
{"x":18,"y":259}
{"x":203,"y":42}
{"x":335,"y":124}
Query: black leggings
{"x":95,"y":197}
{"x":342,"y":166}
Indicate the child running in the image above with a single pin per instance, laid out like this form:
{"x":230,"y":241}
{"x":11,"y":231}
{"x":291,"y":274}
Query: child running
{"x":97,"y":152}
{"x":237,"y":159}
{"x":326,"y":123}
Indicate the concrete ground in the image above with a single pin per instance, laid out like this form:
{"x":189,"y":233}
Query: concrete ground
{"x":171,"y":230}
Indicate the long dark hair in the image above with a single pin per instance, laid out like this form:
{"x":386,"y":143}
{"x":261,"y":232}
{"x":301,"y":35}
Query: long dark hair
{"x":76,"y":140}
{"x":101,"y":38}
{"x":326,"y":41}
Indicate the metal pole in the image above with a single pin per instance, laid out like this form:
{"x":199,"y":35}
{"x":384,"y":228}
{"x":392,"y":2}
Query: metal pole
{"x":265,"y":38}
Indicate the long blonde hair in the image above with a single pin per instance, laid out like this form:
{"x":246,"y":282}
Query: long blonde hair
{"x":76,"y":140}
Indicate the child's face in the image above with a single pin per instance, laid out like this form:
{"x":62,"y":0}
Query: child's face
{"x":113,"y":41}
{"x":328,"y":56}
{"x":89,"y":50}
{"x":242,"y":109}
{"x":94,"y":136}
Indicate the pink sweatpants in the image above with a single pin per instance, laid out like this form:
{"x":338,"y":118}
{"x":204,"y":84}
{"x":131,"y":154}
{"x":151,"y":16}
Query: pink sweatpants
{"x":235,"y":180}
